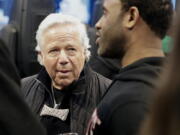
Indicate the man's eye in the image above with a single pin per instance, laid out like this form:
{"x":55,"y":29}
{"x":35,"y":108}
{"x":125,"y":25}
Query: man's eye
{"x":53,"y":50}
{"x":71,"y":49}
{"x":104,"y":12}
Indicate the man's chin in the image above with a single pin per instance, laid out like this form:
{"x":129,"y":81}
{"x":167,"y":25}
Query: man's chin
{"x":63,"y":83}
{"x":100,"y":52}
{"x":107,"y":54}
{"x":103,"y":53}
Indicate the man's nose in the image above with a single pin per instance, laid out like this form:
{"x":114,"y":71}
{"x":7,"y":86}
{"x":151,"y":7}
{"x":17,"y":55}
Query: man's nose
{"x":98,"y":24}
{"x":63,"y":58}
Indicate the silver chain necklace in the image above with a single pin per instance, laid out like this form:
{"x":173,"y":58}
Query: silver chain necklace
{"x":55,"y":103}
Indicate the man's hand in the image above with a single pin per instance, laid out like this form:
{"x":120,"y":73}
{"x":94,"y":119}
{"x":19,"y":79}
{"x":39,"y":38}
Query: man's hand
{"x":92,"y":123}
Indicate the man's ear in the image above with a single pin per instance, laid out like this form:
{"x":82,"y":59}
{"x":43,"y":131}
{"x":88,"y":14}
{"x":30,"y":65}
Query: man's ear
{"x":131,"y":17}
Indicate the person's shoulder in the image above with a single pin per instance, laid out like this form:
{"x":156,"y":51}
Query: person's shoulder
{"x":27,"y":84}
{"x":129,"y":91}
{"x":119,"y":98}
{"x":101,"y":77}
{"x":96,"y":75}
{"x":28,"y":79}
{"x":123,"y":93}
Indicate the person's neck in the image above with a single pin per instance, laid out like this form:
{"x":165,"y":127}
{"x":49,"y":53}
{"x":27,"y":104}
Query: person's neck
{"x":146,"y":47}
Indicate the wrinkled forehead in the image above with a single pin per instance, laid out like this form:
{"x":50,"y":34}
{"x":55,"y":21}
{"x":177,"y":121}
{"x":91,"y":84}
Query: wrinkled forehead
{"x":63,"y":30}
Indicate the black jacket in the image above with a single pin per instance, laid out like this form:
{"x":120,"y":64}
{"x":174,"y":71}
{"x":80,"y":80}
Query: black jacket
{"x":15,"y":116}
{"x":83,"y":98}
{"x":127,"y":99}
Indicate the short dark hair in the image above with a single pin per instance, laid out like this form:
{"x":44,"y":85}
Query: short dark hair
{"x":156,"y":13}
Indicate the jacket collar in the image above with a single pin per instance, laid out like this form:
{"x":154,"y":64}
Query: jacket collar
{"x":75,"y":87}
{"x":141,"y":70}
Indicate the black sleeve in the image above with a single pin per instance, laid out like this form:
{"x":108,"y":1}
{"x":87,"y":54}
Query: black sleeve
{"x":126,"y":120}
{"x":15,"y":116}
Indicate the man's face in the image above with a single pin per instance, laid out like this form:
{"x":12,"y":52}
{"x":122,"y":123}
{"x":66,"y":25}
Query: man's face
{"x":63,"y":54}
{"x":111,"y":36}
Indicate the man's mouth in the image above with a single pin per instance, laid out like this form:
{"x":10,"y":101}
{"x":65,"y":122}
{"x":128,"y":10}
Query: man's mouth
{"x":97,"y":40}
{"x":97,"y":37}
{"x":97,"y":34}
{"x":63,"y":71}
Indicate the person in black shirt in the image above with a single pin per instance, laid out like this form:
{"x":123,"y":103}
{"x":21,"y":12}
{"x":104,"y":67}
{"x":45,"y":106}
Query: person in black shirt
{"x":131,"y":31}
{"x":15,"y":116}
{"x":164,"y":118}
{"x":66,"y":91}
{"x":52,"y":124}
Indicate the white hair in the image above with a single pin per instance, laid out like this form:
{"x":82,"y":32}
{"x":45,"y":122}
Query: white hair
{"x":59,"y":18}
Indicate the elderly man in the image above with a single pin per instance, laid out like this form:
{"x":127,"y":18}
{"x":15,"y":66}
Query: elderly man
{"x":131,"y":31}
{"x":66,"y":90}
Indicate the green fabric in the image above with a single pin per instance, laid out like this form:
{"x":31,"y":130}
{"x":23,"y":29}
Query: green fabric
{"x":167,"y":44}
